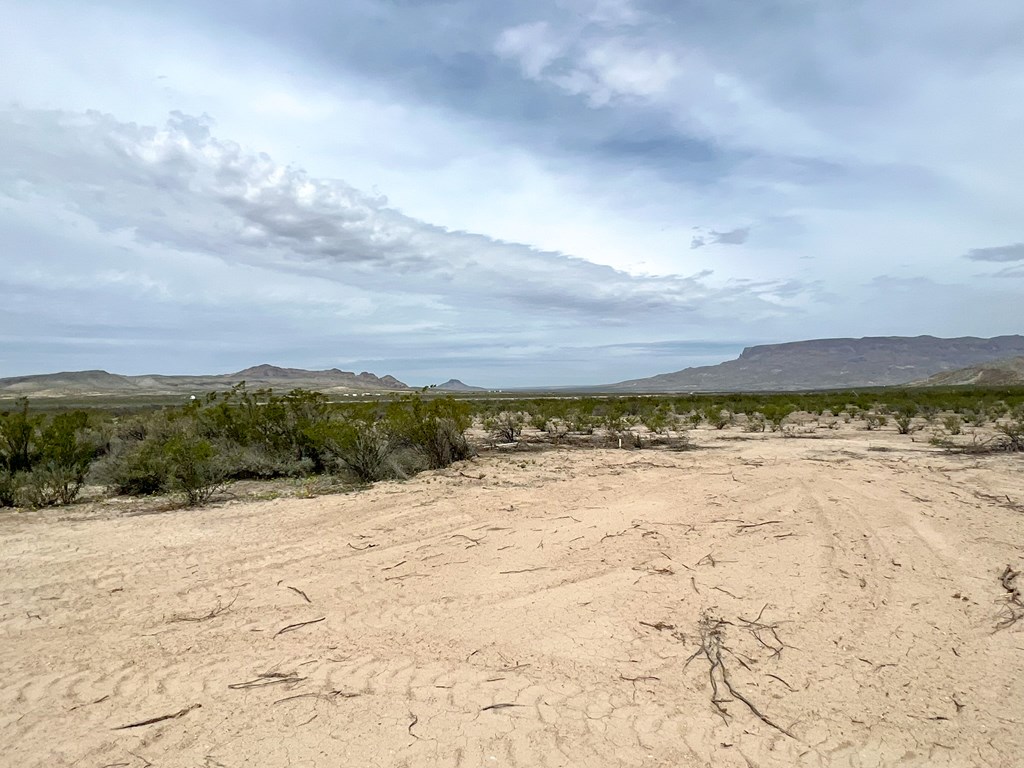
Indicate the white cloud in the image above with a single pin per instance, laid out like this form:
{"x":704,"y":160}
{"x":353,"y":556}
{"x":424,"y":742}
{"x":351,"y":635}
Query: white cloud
{"x":586,"y":142}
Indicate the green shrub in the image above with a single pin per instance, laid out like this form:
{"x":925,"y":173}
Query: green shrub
{"x":193,"y":468}
{"x":364,"y":449}
{"x":255,"y":462}
{"x":904,"y":420}
{"x":776,"y":414}
{"x":17,"y":434}
{"x":953,"y":424}
{"x":434,"y":429}
{"x":136,"y":468}
{"x":874,"y":421}
{"x":8,"y":489}
{"x":1013,"y":432}
{"x":48,"y":485}
{"x":718,"y":418}
{"x":445,"y":444}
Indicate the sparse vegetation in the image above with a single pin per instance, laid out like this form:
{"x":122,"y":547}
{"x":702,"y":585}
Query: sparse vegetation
{"x":193,"y":450}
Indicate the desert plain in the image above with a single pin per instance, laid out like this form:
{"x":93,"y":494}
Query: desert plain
{"x":835,"y":598}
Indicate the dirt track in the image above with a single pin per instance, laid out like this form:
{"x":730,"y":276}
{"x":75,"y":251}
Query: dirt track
{"x":540,"y":616}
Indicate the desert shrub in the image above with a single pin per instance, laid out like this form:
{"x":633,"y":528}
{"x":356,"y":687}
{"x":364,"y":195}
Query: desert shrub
{"x":978,"y":418}
{"x":557,"y":429}
{"x":776,"y":414}
{"x":17,"y":435}
{"x":718,"y":418}
{"x":998,"y":409}
{"x":134,"y":468}
{"x":193,"y":468}
{"x":67,"y":446}
{"x":255,"y":462}
{"x":45,"y":462}
{"x":659,"y":420}
{"x":953,"y":424}
{"x":539,"y":421}
{"x":1013,"y":432}
{"x":445,"y":444}
{"x":874,"y":421}
{"x":581,"y":422}
{"x":284,"y":429}
{"x":904,"y":419}
{"x":136,"y":462}
{"x":616,"y":424}
{"x":48,"y":484}
{"x":695,"y":418}
{"x":434,"y":429}
{"x":364,"y":449}
{"x":755,"y":423}
{"x":506,"y":426}
{"x":8,"y":488}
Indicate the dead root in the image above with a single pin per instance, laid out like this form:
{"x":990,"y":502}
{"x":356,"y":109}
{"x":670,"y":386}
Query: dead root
{"x":712,"y":645}
{"x":1014,"y":610}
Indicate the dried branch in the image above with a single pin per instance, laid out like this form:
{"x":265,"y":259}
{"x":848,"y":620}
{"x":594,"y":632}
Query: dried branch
{"x":204,"y":617}
{"x":160,"y":719}
{"x":293,"y":627}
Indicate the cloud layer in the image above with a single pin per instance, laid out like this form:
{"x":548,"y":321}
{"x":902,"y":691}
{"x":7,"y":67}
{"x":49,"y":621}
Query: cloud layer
{"x":528,"y":193}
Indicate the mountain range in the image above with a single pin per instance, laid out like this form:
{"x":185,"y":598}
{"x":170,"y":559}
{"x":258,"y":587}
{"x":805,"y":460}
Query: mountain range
{"x":998,"y":373}
{"x":798,"y":365}
{"x":832,"y":364}
{"x":87,"y":383}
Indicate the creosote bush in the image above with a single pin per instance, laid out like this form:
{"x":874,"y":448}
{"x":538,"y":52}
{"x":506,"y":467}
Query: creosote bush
{"x":506,"y":427}
{"x":239,"y":434}
{"x":44,"y":461}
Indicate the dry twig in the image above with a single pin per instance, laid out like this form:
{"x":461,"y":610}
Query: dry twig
{"x":293,"y":627}
{"x":204,"y":617}
{"x":160,"y":719}
{"x":298,"y":591}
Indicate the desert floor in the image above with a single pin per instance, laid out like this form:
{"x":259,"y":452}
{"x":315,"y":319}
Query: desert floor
{"x":556,"y":608}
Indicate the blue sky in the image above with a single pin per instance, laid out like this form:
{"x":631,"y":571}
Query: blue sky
{"x":577,"y":191}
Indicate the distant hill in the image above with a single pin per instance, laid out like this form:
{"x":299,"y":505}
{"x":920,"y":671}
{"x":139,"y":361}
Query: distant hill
{"x":100,"y":383}
{"x":998,"y":373}
{"x":454,"y":385}
{"x":832,"y":364}
{"x":68,"y":383}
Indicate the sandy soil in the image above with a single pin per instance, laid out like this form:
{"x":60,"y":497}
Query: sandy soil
{"x":537,"y":609}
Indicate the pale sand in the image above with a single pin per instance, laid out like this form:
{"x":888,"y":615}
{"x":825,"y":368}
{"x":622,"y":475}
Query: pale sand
{"x":448,"y":594}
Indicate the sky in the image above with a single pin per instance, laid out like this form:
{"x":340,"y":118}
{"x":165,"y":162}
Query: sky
{"x":513,"y":194}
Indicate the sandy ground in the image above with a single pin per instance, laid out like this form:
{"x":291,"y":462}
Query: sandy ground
{"x":537,"y":610}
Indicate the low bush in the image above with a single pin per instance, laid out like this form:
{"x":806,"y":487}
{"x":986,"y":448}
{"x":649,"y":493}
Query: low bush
{"x":1013,"y":432}
{"x":8,"y":489}
{"x":365,"y":450}
{"x":506,"y":427}
{"x":48,"y":485}
{"x":904,"y":420}
{"x":194,"y":468}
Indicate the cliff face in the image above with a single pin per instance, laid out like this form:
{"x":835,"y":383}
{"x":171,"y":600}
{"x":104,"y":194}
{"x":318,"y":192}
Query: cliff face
{"x":833,"y":364}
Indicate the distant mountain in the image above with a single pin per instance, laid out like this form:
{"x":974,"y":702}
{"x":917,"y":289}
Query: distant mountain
{"x":454,"y":385}
{"x":832,"y":364}
{"x":68,"y":383}
{"x":998,"y":373}
{"x":99,"y":383}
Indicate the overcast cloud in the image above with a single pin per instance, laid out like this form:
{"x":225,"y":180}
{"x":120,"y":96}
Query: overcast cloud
{"x":571,"y":192}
